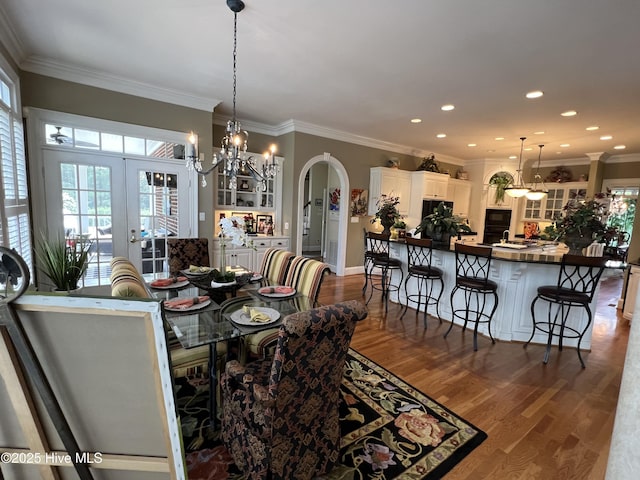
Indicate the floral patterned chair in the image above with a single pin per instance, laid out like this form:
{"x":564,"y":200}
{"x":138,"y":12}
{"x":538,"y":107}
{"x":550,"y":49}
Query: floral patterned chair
{"x":184,"y":252}
{"x":280,"y":415}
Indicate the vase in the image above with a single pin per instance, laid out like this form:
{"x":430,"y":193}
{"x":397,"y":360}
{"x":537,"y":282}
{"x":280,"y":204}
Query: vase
{"x":223,"y":256}
{"x":577,"y":242}
{"x":386,"y":227}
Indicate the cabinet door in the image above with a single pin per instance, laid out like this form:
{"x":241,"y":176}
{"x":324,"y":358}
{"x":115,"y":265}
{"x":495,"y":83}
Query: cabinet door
{"x":533,"y":210}
{"x":459,"y":192}
{"x":506,"y":202}
{"x":389,"y":181}
{"x":553,"y":203}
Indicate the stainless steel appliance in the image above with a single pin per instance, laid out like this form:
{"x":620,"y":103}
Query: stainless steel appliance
{"x":496,"y":221}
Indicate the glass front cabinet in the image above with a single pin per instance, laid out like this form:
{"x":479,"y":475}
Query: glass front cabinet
{"x":552,"y":204}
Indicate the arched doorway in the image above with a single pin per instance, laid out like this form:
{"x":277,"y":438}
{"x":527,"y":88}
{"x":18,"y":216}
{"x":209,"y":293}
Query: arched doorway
{"x":343,"y":212}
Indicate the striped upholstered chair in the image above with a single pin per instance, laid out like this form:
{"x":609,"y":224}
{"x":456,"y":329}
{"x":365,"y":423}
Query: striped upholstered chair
{"x":126,"y":281}
{"x":305,"y":275}
{"x":275,"y":264}
{"x":184,"y":252}
{"x":281,"y":416}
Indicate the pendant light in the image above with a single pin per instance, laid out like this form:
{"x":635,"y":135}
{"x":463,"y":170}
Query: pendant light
{"x":519,"y":189}
{"x":232,"y":156}
{"x":538,"y":189}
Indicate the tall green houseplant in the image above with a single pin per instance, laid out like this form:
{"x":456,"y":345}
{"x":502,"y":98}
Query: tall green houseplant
{"x":64,"y":260}
{"x":442,"y":223}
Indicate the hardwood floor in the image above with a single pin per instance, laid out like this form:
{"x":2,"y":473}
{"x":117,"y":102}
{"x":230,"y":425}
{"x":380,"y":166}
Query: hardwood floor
{"x":549,"y":421}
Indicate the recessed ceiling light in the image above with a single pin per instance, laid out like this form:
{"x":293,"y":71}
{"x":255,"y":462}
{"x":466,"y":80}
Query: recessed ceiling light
{"x":539,"y":133}
{"x":490,"y":151}
{"x":499,"y":138}
{"x":569,"y":113}
{"x":606,"y":137}
{"x":620,"y":147}
{"x":565,"y":145}
{"x":512,"y":157}
{"x":471,"y":145}
{"x":416,"y":120}
{"x":441,"y":135}
{"x":447,"y":108}
{"x":528,"y":149}
{"x":534,"y":94}
{"x":592,"y":128}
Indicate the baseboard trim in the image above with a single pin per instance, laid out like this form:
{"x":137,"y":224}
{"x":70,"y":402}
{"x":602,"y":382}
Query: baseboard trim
{"x":354,"y":270}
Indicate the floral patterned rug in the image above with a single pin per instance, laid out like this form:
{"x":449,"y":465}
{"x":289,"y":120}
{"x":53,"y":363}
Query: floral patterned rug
{"x":389,"y":430}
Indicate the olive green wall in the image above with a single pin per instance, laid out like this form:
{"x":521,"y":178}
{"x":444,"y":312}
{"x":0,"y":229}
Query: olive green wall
{"x":59,"y":95}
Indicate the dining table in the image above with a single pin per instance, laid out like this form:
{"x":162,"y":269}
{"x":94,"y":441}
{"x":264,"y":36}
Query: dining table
{"x":212,"y":322}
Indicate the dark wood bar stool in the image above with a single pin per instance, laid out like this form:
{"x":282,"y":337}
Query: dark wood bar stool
{"x":379,"y":244}
{"x":472,"y":278}
{"x":369,"y":256}
{"x":577,"y":283}
{"x":427,"y":276}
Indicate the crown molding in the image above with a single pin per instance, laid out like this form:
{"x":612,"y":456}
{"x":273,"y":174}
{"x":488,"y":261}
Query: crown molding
{"x":107,"y":81}
{"x":299,"y":126}
{"x":9,"y":39}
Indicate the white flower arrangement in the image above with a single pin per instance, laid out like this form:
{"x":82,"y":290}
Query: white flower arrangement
{"x":233,"y":228}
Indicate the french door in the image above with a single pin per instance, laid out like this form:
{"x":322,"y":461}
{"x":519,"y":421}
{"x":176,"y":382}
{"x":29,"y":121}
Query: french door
{"x":123,"y":206}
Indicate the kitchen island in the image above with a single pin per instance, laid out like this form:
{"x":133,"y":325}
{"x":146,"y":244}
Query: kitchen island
{"x":518,"y":272}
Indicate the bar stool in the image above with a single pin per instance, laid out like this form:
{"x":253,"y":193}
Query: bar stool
{"x":369,"y":255}
{"x":472,"y":277}
{"x":419,"y":267}
{"x":577,"y":283}
{"x":379,"y":244}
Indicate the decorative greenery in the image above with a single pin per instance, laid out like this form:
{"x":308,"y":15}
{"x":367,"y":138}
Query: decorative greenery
{"x":579,"y":218}
{"x":442,"y":222}
{"x":64,"y":260}
{"x":429,"y":164}
{"x":400,"y":224}
{"x":500,"y":180}
{"x":387,"y":213}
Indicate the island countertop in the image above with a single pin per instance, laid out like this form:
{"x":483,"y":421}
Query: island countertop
{"x":518,"y":275}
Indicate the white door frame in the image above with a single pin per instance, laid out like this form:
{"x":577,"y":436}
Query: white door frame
{"x":344,"y":207}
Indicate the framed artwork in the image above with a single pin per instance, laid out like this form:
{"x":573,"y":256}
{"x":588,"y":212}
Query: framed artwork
{"x":359,"y":200}
{"x":263,"y":222}
{"x":318,"y":202}
{"x":240,"y":214}
{"x":334,"y":199}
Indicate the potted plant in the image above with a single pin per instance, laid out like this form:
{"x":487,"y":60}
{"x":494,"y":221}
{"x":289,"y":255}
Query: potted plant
{"x":64,"y":260}
{"x":441,"y":224}
{"x":580,"y":224}
{"x":500,"y":181}
{"x":387,"y":213}
{"x":399,"y":229}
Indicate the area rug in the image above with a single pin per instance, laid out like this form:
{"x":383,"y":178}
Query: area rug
{"x":389,"y":430}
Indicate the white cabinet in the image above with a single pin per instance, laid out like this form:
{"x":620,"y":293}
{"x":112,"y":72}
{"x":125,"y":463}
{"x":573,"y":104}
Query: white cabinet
{"x":249,"y":194}
{"x":459,"y":192}
{"x":505,"y":202}
{"x":390,"y":182}
{"x":555,"y":200}
{"x":434,"y":185}
{"x":427,"y":185}
{"x":250,"y":258}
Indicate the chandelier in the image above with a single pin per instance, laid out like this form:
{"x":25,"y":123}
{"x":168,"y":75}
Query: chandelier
{"x":232,"y":156}
{"x":519,"y":189}
{"x":537,"y":192}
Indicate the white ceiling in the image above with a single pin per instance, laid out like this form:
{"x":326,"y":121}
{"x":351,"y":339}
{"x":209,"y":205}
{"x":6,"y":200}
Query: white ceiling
{"x":363,"y":67}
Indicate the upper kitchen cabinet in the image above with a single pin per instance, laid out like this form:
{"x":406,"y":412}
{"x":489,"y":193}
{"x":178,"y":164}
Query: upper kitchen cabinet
{"x":248,"y":196}
{"x":552,"y":204}
{"x":459,"y":192}
{"x":390,"y":182}
{"x":431,"y":185}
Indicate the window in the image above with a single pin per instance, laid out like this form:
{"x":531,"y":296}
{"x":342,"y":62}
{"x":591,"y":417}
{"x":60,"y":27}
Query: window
{"x":15,"y":223}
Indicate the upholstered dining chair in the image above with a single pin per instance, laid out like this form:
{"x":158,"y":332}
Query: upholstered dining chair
{"x":280,"y":415}
{"x":275,"y":264}
{"x":184,"y":252}
{"x":305,"y":275}
{"x":126,"y":281}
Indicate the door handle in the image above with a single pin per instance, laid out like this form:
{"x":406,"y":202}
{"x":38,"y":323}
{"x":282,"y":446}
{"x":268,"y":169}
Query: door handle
{"x":133,"y":238}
